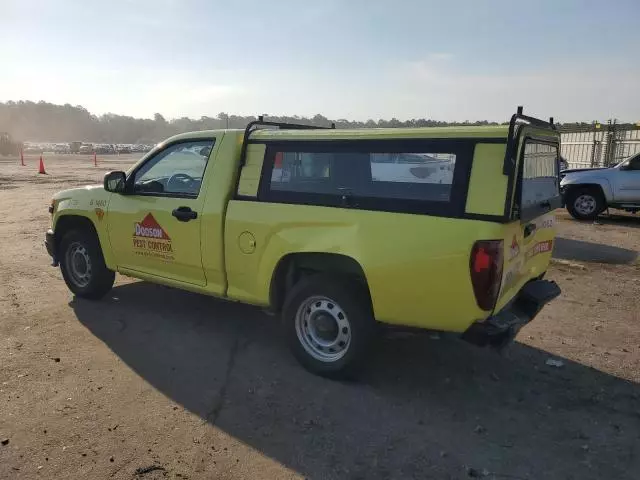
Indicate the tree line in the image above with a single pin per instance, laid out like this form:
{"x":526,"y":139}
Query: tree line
{"x":47,"y":122}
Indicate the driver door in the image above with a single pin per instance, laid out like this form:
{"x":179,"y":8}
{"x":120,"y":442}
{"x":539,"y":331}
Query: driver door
{"x":154,"y":227}
{"x":628,"y":182}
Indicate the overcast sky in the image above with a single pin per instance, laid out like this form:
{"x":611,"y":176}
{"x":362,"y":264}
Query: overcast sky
{"x":355,"y":59}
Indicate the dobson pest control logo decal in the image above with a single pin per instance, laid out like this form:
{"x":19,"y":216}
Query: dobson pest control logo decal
{"x":540,"y":247}
{"x":151,"y":240}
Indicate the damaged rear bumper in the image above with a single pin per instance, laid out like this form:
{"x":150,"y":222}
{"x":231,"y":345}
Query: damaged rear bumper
{"x":501,"y":328}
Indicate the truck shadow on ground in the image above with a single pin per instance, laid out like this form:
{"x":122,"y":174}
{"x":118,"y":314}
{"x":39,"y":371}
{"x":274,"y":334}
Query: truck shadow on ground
{"x":578,"y":250}
{"x":426,"y":407}
{"x":622,"y":220}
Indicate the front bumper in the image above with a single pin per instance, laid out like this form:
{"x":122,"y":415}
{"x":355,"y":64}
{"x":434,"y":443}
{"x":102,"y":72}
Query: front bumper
{"x":500,"y":329}
{"x":50,"y":243}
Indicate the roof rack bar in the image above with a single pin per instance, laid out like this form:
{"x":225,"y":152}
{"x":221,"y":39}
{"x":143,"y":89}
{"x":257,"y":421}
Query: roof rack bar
{"x":281,"y":125}
{"x":509,"y":159}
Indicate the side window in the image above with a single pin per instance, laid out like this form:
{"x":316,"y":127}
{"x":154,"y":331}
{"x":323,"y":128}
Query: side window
{"x":413,"y":168}
{"x":539,"y":173}
{"x":177,"y":170}
{"x":302,"y":172}
{"x":634,"y":163}
{"x":361,"y":171}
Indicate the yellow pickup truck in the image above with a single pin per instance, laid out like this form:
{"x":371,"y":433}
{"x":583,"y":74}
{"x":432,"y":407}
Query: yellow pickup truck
{"x":339,"y":231}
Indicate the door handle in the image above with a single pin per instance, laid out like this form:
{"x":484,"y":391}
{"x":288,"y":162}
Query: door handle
{"x":184,"y":214}
{"x":529,"y":229}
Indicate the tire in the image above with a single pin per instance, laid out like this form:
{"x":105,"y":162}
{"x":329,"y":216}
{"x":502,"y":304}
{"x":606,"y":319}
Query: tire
{"x":585,"y":203}
{"x":82,"y":265}
{"x":329,"y":326}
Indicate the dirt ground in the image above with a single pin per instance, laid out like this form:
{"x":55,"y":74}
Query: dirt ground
{"x":153,"y":382}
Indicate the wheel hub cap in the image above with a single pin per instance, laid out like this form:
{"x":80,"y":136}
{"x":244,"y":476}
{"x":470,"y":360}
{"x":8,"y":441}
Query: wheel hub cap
{"x":323,"y":329}
{"x":79,"y":264}
{"x":585,"y":204}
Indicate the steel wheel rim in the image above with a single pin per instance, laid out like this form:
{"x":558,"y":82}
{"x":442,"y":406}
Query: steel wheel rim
{"x":79,"y":264}
{"x":323,"y":329}
{"x":585,"y":204}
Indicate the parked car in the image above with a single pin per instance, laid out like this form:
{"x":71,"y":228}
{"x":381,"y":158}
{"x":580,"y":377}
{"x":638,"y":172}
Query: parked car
{"x":74,"y":147}
{"x":588,"y":192}
{"x":86,"y":149}
{"x":293,"y":219}
{"x":61,"y":148}
{"x":104,"y":149}
{"x":33,"y":150}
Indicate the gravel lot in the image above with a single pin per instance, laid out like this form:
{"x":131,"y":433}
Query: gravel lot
{"x":153,"y":382}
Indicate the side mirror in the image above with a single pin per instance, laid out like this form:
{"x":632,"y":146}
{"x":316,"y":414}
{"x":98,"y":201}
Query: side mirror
{"x":115,"y":181}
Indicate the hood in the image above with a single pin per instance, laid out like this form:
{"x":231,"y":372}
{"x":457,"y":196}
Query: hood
{"x":572,"y":170}
{"x":582,"y":175}
{"x":72,"y":192}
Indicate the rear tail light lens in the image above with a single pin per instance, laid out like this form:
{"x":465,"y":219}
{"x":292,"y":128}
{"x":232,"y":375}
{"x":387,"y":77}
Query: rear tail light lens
{"x":486,"y":271}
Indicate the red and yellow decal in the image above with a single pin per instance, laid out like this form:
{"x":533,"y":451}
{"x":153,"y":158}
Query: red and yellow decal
{"x":151,"y":240}
{"x":540,"y":247}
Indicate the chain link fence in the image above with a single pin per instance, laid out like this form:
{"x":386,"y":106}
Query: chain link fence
{"x":599,"y":145}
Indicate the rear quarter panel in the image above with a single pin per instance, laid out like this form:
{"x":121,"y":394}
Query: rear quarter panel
{"x":416,"y":266}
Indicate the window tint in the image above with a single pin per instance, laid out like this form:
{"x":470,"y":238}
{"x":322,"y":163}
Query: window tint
{"x":412,"y":176}
{"x":176,"y":170}
{"x":539,"y":174}
{"x":634,"y":163}
{"x":302,"y":171}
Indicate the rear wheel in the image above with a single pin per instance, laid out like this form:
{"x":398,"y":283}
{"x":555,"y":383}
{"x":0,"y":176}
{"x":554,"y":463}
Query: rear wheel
{"x":82,"y":265}
{"x":328,"y":325}
{"x":585,"y":203}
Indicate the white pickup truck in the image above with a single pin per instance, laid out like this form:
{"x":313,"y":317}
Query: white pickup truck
{"x":588,"y":192}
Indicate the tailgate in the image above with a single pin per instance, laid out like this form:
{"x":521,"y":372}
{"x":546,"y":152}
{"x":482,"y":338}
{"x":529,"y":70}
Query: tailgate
{"x":529,"y":237}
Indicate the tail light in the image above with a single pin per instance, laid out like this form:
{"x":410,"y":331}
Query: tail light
{"x":486,"y":271}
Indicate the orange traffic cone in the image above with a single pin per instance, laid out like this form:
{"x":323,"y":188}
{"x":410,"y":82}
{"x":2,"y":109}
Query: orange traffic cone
{"x":41,"y":168}
{"x":95,"y":159}
{"x":22,"y":157}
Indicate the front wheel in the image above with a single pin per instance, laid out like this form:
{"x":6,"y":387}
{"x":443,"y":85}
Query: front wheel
{"x":329,"y":325}
{"x":82,"y":265}
{"x":585,"y":203}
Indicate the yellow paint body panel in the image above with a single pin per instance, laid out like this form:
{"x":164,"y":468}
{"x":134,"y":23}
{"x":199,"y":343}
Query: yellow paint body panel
{"x":487,"y":185}
{"x":89,"y":202}
{"x":417,"y":271}
{"x":384,"y":133}
{"x":252,"y":170}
